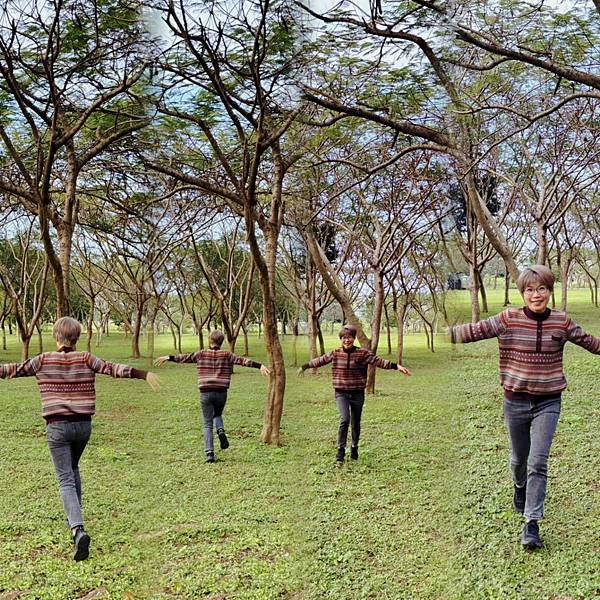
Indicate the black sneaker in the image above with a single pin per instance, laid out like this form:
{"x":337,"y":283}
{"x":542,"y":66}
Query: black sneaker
{"x":531,"y":536}
{"x":210,"y":457}
{"x":81,"y":540}
{"x":339,"y":457}
{"x":223,"y":439}
{"x":519,"y":499}
{"x":354,"y":452}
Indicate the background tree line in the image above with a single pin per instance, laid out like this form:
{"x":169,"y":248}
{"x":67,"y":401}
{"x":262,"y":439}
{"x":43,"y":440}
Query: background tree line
{"x":258,"y":164}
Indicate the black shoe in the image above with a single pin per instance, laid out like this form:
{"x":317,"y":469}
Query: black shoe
{"x":531,"y":536}
{"x":223,"y":439}
{"x":519,"y":499}
{"x":339,"y":457}
{"x":81,"y":540}
{"x":210,"y":457}
{"x":354,"y":452}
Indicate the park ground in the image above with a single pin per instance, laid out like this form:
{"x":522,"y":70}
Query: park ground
{"x":424,"y":514}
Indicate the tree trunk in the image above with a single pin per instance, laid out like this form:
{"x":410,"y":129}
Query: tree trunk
{"x":489,"y":225}
{"x":375,"y":328}
{"x":90,"y":325}
{"x":474,"y":291}
{"x":313,"y":327}
{"x":25,"y":339}
{"x":320,"y":337}
{"x":135,"y":335}
{"x":388,"y":329}
{"x":565,"y":268}
{"x":542,"y":241}
{"x":484,"y":302}
{"x":506,"y":287}
{"x":400,"y":316}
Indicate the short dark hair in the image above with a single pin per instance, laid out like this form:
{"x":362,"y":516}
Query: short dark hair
{"x":216,"y":338}
{"x":347,"y":330}
{"x":534,"y":274}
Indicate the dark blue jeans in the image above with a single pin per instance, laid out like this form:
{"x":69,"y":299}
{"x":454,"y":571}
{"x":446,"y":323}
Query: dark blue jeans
{"x":350,"y":404}
{"x":212,"y":404}
{"x":531,"y":427}
{"x":67,"y":441}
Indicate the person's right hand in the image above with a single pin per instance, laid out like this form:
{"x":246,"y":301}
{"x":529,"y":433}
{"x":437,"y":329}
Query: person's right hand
{"x":300,"y":372}
{"x":153,"y":381}
{"x":160,"y":360}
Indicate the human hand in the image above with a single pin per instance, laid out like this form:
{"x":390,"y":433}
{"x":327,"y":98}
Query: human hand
{"x":404,"y":371}
{"x":160,"y":360}
{"x":264,"y":371}
{"x":153,"y":381}
{"x":300,"y":372}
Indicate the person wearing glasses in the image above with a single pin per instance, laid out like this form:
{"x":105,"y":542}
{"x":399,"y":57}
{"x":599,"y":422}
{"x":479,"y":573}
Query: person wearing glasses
{"x":531,"y":341}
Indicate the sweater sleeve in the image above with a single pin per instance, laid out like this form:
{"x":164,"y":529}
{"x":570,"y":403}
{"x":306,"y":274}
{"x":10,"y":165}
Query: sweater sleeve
{"x":482,"y":330}
{"x":244,"y":362}
{"x":184,"y":358}
{"x":25,"y":369}
{"x":102,"y":367}
{"x":381,"y":363}
{"x":320,"y":361}
{"x":578,"y":336}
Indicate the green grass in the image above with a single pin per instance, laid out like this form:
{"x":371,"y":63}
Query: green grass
{"x":425,"y":513}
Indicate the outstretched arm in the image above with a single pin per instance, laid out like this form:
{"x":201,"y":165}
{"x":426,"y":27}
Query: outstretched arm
{"x":177,"y":358}
{"x":578,"y":336}
{"x":161,"y":360}
{"x":315,"y":363}
{"x":482,"y":330}
{"x":25,"y":369}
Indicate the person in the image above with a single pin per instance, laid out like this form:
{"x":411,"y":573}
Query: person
{"x":531,"y":341}
{"x":349,"y":378}
{"x":66,"y":383}
{"x":215,"y":367}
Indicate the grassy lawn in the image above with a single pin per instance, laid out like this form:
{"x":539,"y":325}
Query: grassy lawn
{"x":425,"y":512}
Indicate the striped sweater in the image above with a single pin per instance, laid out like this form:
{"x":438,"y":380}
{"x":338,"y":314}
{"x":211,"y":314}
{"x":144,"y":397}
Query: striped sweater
{"x":66,"y":380}
{"x":531,"y":347}
{"x":214,"y":367}
{"x":349,"y":368}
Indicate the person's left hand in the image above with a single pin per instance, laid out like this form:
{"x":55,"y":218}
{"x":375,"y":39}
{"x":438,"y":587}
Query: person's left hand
{"x":264,"y":371}
{"x":404,"y":371}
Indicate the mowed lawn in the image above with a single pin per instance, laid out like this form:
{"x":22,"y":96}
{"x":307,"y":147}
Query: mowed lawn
{"x":425,"y":512}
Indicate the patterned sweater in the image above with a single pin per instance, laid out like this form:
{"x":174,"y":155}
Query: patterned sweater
{"x":349,"y":367}
{"x":66,"y":380}
{"x":531,"y":347}
{"x":214,"y":367}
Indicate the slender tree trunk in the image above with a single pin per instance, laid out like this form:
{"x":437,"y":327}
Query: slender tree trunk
{"x":3,"y":334}
{"x":565,"y":268}
{"x":542,"y":241}
{"x":40,"y":339}
{"x":506,"y":287}
{"x":475,"y":311}
{"x":135,"y":334}
{"x":388,"y":329}
{"x":484,"y":302}
{"x":90,"y":324}
{"x":150,"y":336}
{"x":313,"y":327}
{"x":320,"y":337}
{"x":295,"y":343}
{"x":400,"y":316}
